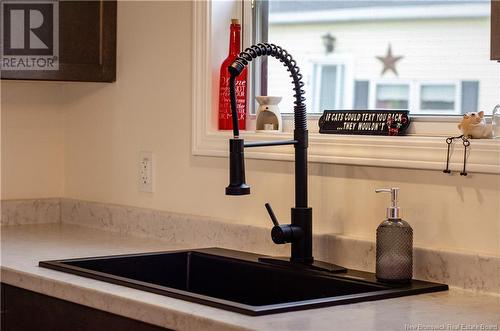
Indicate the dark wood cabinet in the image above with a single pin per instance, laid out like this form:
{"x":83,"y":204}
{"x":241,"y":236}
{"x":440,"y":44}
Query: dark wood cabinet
{"x":495,"y":30}
{"x":87,"y":44}
{"x":23,"y":310}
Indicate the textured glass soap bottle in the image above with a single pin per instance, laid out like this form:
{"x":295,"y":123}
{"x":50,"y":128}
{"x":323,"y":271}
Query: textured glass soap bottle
{"x":225,"y":117}
{"x":394,"y":245}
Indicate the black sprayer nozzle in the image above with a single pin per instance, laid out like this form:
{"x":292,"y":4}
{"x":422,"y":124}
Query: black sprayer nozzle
{"x":237,"y":185}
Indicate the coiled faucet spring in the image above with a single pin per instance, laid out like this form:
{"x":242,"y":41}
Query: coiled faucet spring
{"x":245,"y":57}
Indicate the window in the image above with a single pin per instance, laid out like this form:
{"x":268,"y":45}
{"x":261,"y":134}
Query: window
{"x":401,"y":54}
{"x":328,"y":86}
{"x":392,"y":96}
{"x":325,"y":84}
{"x":420,"y":97}
{"x":438,"y":98}
{"x":475,"y":85}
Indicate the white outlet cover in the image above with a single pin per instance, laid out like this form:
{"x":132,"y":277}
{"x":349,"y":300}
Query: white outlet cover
{"x":146,"y":172}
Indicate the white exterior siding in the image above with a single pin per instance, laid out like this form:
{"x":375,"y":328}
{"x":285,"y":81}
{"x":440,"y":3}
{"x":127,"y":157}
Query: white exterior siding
{"x":448,"y":50}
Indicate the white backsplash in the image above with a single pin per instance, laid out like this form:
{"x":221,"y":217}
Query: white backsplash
{"x":33,"y":211}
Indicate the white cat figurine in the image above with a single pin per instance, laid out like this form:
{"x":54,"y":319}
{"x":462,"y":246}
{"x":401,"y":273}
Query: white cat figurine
{"x":474,"y":125}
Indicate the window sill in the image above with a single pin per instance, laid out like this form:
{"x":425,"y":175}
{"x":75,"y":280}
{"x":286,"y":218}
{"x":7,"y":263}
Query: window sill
{"x":411,"y":152}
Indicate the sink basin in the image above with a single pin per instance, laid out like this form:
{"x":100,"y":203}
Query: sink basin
{"x":236,"y":281}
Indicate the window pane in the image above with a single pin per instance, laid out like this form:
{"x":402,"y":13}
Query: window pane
{"x":392,"y":96}
{"x":419,"y":44}
{"x":328,"y":87}
{"x":437,"y":97}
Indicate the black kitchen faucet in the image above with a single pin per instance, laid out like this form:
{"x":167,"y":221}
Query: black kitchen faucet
{"x":299,"y":232}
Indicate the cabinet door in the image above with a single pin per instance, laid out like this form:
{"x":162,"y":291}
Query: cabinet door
{"x":495,"y":30}
{"x":87,"y":44}
{"x":27,"y":310}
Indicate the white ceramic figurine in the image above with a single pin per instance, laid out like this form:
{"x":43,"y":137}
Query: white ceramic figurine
{"x":474,"y":125}
{"x":268,"y":114}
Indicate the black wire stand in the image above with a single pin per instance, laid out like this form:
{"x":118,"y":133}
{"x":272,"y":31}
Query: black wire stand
{"x":449,"y":142}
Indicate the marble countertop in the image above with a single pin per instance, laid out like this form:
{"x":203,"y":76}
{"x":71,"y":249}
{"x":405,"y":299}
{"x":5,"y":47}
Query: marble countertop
{"x":23,"y":246}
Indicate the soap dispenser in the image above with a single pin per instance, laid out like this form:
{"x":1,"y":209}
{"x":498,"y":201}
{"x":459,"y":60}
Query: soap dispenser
{"x":394,"y":244}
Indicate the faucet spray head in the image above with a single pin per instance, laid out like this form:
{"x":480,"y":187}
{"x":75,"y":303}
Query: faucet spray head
{"x":237,"y":185}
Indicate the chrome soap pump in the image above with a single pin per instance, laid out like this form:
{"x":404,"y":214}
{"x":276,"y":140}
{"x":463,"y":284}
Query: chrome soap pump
{"x":394,"y":244}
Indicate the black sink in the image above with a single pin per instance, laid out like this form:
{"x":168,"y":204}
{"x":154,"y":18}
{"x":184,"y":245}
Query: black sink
{"x":236,"y":280}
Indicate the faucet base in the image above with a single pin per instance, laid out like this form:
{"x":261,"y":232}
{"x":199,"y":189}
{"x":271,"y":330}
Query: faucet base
{"x":315,"y":265}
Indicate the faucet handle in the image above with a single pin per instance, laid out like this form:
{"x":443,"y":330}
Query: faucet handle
{"x":282,"y":234}
{"x":271,"y":214}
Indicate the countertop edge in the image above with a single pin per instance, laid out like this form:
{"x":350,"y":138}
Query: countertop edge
{"x":111,"y":302}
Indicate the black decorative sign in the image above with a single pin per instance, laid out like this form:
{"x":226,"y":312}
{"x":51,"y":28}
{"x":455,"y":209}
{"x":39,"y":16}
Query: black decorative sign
{"x":365,"y":122}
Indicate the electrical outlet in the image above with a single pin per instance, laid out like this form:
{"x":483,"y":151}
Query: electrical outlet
{"x":146,"y":172}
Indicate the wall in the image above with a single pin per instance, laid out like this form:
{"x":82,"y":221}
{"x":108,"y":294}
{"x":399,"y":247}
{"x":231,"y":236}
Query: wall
{"x":32,"y":140}
{"x":148,"y":108}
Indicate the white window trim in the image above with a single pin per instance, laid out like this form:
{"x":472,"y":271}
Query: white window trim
{"x":411,"y":152}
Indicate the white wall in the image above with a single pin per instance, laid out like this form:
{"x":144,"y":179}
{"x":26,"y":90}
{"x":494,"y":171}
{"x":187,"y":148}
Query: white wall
{"x":32,"y":140}
{"x":149,"y":108}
